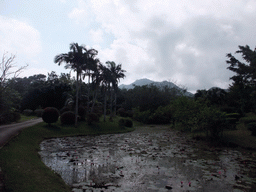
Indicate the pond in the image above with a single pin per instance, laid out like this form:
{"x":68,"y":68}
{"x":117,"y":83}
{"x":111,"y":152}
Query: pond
{"x":148,"y":159}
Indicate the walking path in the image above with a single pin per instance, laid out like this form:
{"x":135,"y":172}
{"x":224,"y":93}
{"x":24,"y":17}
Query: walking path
{"x":9,"y":131}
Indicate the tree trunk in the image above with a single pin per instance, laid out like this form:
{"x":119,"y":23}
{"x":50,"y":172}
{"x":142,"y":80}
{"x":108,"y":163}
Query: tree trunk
{"x":88,"y":96}
{"x":111,"y":102}
{"x":105,"y":105}
{"x":76,"y":110}
{"x":115,"y":105}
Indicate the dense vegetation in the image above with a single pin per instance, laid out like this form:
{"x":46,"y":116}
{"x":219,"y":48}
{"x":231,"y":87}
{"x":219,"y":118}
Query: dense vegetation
{"x":210,"y":111}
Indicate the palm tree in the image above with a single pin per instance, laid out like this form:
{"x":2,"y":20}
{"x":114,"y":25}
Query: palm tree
{"x":116,"y":74}
{"x":75,"y":59}
{"x":105,"y":79}
{"x":89,"y":68}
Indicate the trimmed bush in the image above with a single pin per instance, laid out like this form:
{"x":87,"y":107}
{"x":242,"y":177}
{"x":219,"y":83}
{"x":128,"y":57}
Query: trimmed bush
{"x":92,"y":117}
{"x":9,"y":117}
{"x":16,"y":116}
{"x":128,"y":123}
{"x":64,"y":109}
{"x":28,"y":112}
{"x":50,"y":115}
{"x":129,"y":113}
{"x":39,"y":112}
{"x":252,"y":128}
{"x":122,"y":112}
{"x":121,"y":123}
{"x":68,"y":118}
{"x":82,"y":113}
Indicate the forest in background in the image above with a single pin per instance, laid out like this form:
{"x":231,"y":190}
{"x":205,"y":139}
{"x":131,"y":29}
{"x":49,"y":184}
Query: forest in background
{"x":210,"y":110}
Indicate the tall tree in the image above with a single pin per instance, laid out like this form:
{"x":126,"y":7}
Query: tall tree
{"x":8,"y":97}
{"x":74,"y":60}
{"x":116,"y":73}
{"x":105,"y":79}
{"x":244,"y":80}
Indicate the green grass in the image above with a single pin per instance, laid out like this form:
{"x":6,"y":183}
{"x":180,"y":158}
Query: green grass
{"x":26,"y":118}
{"x":240,"y":137}
{"x":21,"y":163}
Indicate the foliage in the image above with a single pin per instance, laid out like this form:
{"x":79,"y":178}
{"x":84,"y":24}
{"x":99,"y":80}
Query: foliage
{"x":141,"y":116}
{"x":163,"y":115}
{"x":121,"y":112}
{"x":28,"y":112}
{"x":64,"y":109}
{"x":68,"y":118}
{"x":39,"y":112}
{"x":196,"y":116}
{"x":147,"y":97}
{"x":125,"y":123}
{"x":252,"y":127}
{"x":50,"y":115}
{"x":92,"y":117}
{"x":121,"y":123}
{"x":128,"y":123}
{"x":242,"y":91}
{"x":9,"y":117}
{"x":82,"y":113}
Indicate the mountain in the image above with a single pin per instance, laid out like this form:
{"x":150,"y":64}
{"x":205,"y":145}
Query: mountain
{"x":146,"y":81}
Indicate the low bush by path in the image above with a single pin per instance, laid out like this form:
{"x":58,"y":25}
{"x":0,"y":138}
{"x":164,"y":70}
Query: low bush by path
{"x":21,"y":163}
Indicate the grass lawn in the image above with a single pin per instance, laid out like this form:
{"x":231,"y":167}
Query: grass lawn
{"x":26,"y":118}
{"x":21,"y":163}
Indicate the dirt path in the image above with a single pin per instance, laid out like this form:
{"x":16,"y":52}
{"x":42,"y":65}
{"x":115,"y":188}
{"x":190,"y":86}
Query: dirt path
{"x":8,"y":131}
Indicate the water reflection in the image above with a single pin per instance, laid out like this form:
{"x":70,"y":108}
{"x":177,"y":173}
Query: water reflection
{"x":148,"y":159}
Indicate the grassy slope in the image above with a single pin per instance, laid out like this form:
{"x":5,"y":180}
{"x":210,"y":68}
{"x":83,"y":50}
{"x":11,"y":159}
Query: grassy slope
{"x":22,"y":165}
{"x":242,"y":136}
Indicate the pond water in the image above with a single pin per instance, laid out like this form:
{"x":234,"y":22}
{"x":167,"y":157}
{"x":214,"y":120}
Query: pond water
{"x":148,"y":159}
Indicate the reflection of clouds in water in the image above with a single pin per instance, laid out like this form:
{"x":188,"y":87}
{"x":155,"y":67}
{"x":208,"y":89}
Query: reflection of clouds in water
{"x":135,"y":159}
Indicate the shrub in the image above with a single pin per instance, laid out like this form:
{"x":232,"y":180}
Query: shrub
{"x":141,"y":116}
{"x":121,"y":123}
{"x":128,"y":123}
{"x":129,"y":113}
{"x":16,"y":116}
{"x":9,"y":117}
{"x":68,"y":118}
{"x":92,"y":117}
{"x":82,"y":113}
{"x":122,"y":112}
{"x":252,"y":128}
{"x":39,"y":112}
{"x":98,"y":110}
{"x":28,"y":112}
{"x":50,"y":115}
{"x":232,"y":119}
{"x":64,"y":109}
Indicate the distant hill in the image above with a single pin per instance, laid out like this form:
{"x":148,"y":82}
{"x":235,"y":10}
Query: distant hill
{"x":146,"y":81}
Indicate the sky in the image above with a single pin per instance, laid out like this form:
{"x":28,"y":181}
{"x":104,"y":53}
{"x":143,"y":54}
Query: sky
{"x":181,"y":41}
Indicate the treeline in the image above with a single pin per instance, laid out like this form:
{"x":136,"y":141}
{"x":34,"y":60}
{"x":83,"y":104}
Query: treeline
{"x":210,"y":110}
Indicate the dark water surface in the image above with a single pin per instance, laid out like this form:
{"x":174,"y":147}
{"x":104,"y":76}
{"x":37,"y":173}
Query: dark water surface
{"x":148,"y":159}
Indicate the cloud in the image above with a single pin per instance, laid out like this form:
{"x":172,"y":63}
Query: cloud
{"x":96,"y":35}
{"x":185,"y":41}
{"x":19,"y":37}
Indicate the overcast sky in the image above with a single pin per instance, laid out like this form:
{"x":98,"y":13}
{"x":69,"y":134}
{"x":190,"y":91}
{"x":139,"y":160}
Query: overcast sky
{"x":182,"y":41}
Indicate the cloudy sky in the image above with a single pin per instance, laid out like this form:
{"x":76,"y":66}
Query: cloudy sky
{"x":182,"y":41}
